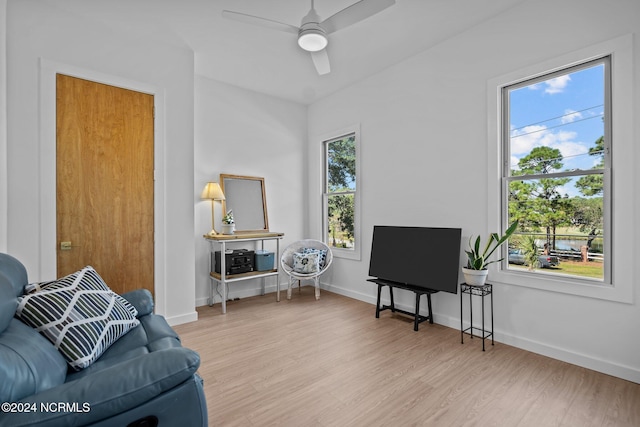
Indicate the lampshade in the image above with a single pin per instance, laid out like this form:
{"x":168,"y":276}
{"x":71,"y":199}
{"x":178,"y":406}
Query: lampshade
{"x":312,"y":39}
{"x":212,"y":191}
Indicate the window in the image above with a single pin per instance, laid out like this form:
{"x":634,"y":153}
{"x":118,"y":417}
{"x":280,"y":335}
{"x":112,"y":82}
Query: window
{"x":340,"y":193}
{"x":619,"y":199}
{"x":556,"y":172}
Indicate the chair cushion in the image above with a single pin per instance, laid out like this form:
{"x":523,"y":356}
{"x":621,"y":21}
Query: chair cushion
{"x":322,"y":253}
{"x":141,"y":299}
{"x":29,"y":364}
{"x":306,"y":262}
{"x":8,"y":302}
{"x":14,"y":272}
{"x":79,"y":314}
{"x":13,"y":276}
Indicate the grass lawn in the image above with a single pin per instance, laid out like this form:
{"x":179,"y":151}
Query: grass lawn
{"x":584,"y":269}
{"x":593,"y":270}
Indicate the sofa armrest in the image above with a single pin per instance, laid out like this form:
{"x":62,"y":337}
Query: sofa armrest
{"x":141,"y":299}
{"x":108,"y":392}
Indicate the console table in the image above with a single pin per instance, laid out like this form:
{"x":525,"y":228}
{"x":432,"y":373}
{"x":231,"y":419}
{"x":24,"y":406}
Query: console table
{"x":481,"y":291}
{"x":221,"y":240}
{"x":419,"y":291}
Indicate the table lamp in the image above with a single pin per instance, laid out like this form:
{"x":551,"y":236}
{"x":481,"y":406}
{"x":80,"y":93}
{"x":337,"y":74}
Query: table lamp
{"x":213,"y":192}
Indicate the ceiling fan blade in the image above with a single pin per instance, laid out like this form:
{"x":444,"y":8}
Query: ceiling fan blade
{"x":354,"y":13}
{"x":321,"y":61}
{"x":263,"y":22}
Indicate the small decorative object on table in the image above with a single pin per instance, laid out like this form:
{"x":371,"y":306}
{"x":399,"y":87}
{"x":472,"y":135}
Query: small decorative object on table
{"x":228,"y":225}
{"x":475,"y":273}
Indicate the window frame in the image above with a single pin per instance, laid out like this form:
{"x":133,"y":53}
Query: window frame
{"x":605,"y":171}
{"x":622,"y":231}
{"x":348,"y":253}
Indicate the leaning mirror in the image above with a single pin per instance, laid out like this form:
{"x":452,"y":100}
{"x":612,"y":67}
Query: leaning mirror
{"x":245,"y":195}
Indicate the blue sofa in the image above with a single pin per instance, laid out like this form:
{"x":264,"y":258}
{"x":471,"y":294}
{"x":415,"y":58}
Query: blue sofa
{"x":146,"y":378}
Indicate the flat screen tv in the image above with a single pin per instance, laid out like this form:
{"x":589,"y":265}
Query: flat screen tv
{"x":419,"y":256}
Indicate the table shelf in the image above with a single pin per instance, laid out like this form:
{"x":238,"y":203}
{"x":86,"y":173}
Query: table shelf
{"x":221,"y":240}
{"x":244,"y":276}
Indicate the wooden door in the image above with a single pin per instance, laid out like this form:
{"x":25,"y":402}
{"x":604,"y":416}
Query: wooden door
{"x":104,"y":188}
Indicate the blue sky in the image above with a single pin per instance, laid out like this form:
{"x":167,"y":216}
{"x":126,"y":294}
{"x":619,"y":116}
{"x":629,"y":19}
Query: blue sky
{"x":564,"y":113}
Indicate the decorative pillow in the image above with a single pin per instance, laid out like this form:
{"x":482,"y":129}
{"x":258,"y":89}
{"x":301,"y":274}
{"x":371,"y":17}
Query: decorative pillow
{"x":306,"y":263}
{"x":79,"y":314}
{"x":322,"y":252}
{"x":32,"y":288}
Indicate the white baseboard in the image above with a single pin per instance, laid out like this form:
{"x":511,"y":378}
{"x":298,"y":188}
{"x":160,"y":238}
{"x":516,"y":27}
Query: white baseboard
{"x":183,"y":318}
{"x":350,"y":293}
{"x":589,"y":362}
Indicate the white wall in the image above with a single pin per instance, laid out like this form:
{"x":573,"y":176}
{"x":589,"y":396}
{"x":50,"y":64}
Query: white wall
{"x":245,"y":133}
{"x":3,"y":126}
{"x":40,"y":39}
{"x":424,"y":147}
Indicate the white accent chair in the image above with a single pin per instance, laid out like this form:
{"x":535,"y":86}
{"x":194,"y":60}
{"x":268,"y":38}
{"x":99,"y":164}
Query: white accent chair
{"x":287,"y":262}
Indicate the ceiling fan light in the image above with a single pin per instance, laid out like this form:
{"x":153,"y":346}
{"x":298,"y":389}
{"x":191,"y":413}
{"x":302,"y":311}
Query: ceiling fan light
{"x":312,"y":39}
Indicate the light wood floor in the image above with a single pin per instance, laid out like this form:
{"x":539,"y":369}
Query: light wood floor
{"x":332,"y":363}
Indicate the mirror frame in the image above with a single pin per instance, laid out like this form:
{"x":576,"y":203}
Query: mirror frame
{"x":224,"y":177}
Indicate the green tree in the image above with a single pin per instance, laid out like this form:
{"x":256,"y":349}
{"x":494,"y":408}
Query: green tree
{"x":522,"y":206}
{"x":588,"y":213}
{"x":588,"y":216}
{"x":541,"y":160}
{"x":592,"y":185}
{"x":342,"y":164}
{"x":540,"y":199}
{"x":341,"y":177}
{"x":341,"y":218}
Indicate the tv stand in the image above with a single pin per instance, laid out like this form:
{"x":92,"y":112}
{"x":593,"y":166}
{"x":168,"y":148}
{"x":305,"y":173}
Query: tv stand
{"x":419,"y":291}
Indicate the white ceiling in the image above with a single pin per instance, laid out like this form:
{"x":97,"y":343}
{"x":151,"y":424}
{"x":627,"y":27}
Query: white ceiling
{"x":270,"y":61}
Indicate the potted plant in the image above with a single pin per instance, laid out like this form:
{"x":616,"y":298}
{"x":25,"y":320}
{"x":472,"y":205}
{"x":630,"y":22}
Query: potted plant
{"x":227,"y":223}
{"x":475,"y":273}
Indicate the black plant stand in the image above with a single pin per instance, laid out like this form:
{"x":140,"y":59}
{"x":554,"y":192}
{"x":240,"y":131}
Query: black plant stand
{"x":481,"y":291}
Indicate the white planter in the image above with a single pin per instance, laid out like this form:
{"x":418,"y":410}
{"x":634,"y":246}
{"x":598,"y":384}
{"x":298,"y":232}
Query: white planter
{"x":228,"y":228}
{"x":475,"y":277}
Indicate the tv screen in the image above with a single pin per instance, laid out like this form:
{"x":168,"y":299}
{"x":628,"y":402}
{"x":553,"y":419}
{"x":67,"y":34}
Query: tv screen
{"x":419,"y":256}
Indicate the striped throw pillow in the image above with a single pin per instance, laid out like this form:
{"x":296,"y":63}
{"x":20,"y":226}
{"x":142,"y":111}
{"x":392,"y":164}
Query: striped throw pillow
{"x":79,"y":314}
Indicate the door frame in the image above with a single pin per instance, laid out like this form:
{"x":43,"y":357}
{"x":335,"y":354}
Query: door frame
{"x":47,"y":167}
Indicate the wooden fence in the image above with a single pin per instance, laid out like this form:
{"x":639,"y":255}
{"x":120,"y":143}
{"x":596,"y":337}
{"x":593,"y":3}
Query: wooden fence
{"x":577,"y":256}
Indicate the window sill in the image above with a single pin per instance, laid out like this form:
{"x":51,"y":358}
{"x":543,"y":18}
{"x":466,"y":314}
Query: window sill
{"x":353,"y":254}
{"x":563,"y":284}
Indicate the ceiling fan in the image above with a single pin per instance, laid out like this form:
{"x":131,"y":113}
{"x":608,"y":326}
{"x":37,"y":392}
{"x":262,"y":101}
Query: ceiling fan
{"x":312,"y":33}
